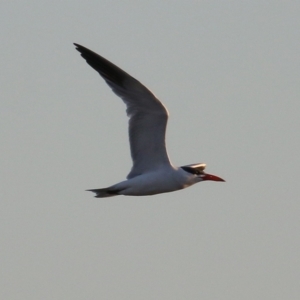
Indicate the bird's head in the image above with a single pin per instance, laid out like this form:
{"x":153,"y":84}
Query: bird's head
{"x":198,"y":171}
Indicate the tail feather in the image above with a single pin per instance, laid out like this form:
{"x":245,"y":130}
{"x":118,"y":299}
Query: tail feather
{"x":106,"y":192}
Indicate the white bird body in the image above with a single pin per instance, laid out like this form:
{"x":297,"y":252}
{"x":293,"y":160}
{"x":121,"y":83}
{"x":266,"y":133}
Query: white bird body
{"x":152,"y":172}
{"x":164,"y":180}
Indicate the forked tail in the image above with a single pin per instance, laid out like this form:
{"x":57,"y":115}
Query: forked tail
{"x":106,"y":192}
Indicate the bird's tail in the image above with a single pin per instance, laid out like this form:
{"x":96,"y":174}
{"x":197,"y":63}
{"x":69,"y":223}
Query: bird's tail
{"x":106,"y":192}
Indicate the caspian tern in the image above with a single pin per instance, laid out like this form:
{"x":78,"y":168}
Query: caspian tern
{"x":152,"y":172}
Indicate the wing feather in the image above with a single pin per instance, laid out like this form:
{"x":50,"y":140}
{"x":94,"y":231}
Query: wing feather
{"x":147,"y":115}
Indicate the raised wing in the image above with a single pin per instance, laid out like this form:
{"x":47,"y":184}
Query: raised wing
{"x":147,"y":115}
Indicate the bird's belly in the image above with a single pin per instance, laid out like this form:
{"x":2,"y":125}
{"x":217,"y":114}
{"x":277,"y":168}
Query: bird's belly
{"x":149,"y":184}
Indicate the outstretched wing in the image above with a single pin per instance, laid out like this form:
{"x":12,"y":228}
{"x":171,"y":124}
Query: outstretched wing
{"x":147,"y":115}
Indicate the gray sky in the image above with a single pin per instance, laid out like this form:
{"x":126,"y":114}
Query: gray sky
{"x":228,"y":71}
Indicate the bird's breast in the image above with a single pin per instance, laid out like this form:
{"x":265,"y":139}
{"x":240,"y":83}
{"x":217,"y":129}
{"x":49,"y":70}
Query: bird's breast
{"x":153,"y":183}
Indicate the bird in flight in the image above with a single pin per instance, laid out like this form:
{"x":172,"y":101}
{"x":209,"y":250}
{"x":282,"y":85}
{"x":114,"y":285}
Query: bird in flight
{"x":152,"y":172}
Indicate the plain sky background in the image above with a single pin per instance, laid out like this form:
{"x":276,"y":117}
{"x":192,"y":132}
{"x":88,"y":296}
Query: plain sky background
{"x":228,"y":72}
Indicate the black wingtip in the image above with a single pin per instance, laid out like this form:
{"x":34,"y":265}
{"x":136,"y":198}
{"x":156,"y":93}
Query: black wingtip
{"x":77,"y":46}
